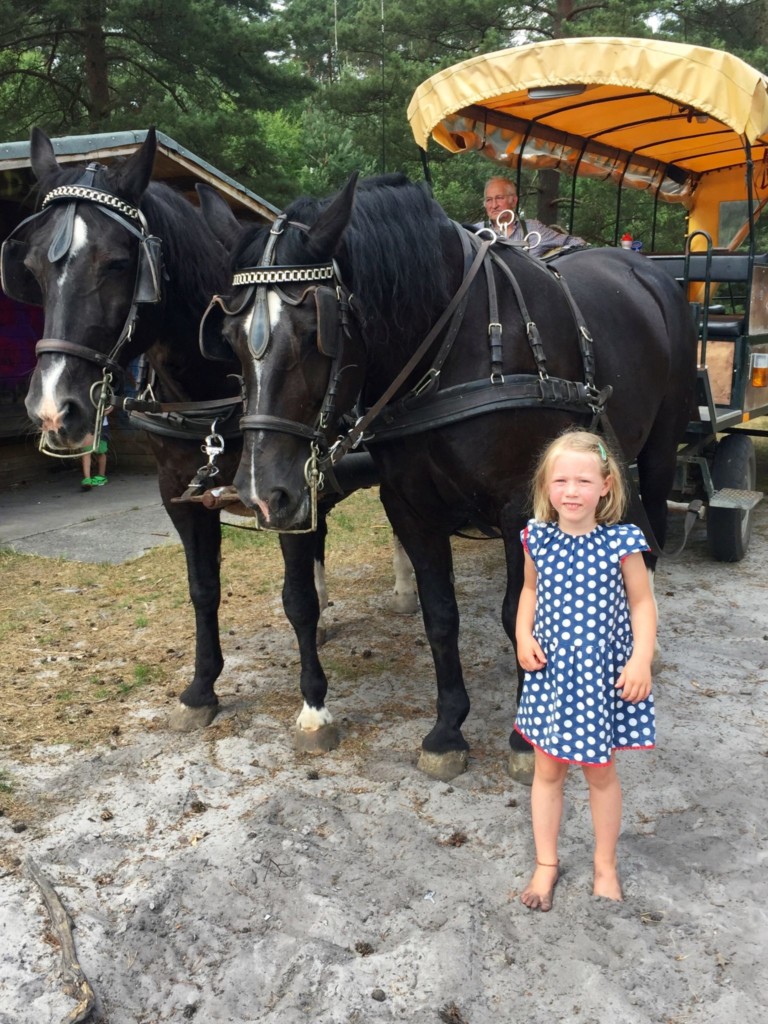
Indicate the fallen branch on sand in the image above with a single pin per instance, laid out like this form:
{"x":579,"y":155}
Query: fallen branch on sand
{"x":76,"y":984}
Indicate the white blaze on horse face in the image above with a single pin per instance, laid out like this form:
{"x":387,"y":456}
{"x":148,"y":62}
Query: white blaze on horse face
{"x":275,"y":307}
{"x":50,"y":409}
{"x":79,"y":242}
{"x":51,"y":405}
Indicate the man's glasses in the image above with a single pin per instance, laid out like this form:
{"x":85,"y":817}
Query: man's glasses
{"x":499,"y":199}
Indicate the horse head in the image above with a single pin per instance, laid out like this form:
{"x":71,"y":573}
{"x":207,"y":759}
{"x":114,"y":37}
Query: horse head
{"x":87,"y":257}
{"x":289,"y":319}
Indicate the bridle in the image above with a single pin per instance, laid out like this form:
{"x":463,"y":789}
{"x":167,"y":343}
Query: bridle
{"x":334,"y":324}
{"x":147,"y":285}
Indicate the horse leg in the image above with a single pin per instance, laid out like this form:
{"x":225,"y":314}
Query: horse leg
{"x":444,"y":751}
{"x":315,"y":732}
{"x":200,"y":534}
{"x":405,"y":601}
{"x":520,"y":763}
{"x":656,"y":465}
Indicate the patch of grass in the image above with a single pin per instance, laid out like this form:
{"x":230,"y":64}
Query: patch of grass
{"x":244,"y":538}
{"x":141,"y":622}
{"x":6,"y":784}
{"x":143,"y":675}
{"x":64,"y":696}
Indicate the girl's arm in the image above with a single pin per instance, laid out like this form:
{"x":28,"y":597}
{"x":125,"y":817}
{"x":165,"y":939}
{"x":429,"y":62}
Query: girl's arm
{"x":635,"y":680}
{"x":529,"y":653}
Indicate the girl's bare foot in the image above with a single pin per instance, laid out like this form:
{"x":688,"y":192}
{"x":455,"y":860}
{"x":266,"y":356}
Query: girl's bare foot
{"x":607,"y":882}
{"x":537,"y":895}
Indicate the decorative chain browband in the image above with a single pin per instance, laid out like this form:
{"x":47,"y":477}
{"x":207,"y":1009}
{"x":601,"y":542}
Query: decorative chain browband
{"x":283,"y":275}
{"x":95,"y":195}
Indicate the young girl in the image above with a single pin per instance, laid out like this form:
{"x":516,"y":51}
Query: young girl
{"x":586,"y":630}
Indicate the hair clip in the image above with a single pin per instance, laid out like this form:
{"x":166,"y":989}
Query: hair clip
{"x":603,"y":453}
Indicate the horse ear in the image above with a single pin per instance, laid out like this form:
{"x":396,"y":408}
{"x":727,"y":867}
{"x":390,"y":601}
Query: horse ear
{"x":218,"y":215}
{"x":130,"y":178}
{"x":325,"y":234}
{"x":41,"y":155}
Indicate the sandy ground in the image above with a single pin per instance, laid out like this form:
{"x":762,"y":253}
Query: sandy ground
{"x":221,"y":877}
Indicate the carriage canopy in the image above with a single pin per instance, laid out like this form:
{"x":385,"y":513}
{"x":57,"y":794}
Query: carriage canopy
{"x":644,"y":113}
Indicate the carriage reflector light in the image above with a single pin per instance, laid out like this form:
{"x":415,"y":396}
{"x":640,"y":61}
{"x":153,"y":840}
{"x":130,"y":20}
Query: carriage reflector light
{"x":758,"y":376}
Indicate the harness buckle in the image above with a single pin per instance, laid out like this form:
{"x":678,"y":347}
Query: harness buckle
{"x":430,"y":377}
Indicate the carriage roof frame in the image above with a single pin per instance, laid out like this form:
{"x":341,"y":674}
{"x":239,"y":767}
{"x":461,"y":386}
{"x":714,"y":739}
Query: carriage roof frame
{"x":661,"y":118}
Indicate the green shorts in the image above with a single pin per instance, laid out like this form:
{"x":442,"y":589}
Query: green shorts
{"x":102,"y":447}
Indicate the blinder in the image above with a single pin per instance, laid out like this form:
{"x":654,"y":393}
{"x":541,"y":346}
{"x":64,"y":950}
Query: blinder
{"x":149,"y":273}
{"x":328,"y":321}
{"x":213,"y":344}
{"x":17,"y":280}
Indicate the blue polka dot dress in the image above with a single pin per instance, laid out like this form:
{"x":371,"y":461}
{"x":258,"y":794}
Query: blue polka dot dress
{"x":570,"y":709}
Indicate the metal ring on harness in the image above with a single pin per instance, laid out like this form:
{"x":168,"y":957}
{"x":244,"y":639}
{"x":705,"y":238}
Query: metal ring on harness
{"x":505,"y":220}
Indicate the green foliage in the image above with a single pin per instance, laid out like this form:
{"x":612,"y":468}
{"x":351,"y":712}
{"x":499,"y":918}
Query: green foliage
{"x":99,"y":65}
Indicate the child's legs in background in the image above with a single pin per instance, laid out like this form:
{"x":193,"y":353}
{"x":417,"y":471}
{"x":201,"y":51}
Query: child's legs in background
{"x":605,"y":804}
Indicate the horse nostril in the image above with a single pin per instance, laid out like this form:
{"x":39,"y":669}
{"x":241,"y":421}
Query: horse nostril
{"x":278,"y":500}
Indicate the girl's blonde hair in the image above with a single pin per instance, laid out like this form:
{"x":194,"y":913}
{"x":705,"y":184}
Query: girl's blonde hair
{"x":611,"y":506}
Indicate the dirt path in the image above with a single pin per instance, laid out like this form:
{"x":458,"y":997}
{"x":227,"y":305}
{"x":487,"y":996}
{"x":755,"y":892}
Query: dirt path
{"x":220,"y":878}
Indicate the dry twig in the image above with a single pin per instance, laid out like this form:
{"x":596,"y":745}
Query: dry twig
{"x":76,"y":984}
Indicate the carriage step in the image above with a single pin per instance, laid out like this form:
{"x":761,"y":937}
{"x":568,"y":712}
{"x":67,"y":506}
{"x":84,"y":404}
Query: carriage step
{"x":730,"y":497}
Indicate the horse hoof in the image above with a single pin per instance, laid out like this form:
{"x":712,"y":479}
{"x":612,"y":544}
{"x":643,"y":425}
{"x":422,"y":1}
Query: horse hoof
{"x":520,"y":766}
{"x":316,"y":741}
{"x":443,"y":767}
{"x":186,"y":719}
{"x":405,"y":603}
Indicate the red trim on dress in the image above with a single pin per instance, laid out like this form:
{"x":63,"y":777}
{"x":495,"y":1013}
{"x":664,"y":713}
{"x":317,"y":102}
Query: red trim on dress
{"x":581,"y":764}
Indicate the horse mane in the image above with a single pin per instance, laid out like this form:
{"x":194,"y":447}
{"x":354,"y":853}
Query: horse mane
{"x":187,"y":242}
{"x":391,"y":254}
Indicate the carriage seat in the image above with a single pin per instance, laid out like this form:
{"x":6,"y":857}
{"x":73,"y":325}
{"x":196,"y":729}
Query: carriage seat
{"x":724,"y":269}
{"x":720,"y":324}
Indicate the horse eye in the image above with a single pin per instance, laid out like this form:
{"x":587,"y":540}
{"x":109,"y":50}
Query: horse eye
{"x":117,"y":266}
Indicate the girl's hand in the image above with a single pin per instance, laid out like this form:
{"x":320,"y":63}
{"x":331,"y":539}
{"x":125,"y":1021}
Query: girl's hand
{"x":530,"y":654}
{"x":635,"y":681}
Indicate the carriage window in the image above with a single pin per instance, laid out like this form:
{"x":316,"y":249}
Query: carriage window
{"x":733,"y":215}
{"x":732,"y":233}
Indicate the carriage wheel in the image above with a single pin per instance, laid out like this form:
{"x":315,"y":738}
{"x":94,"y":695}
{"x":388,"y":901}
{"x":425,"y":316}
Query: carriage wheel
{"x":729,"y":529}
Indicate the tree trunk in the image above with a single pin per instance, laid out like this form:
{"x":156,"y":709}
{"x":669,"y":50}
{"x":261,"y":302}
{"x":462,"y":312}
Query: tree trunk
{"x":96,"y":64}
{"x":548,"y":183}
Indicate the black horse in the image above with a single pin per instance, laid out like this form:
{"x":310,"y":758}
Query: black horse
{"x":474,"y":355}
{"x":91,"y":257}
